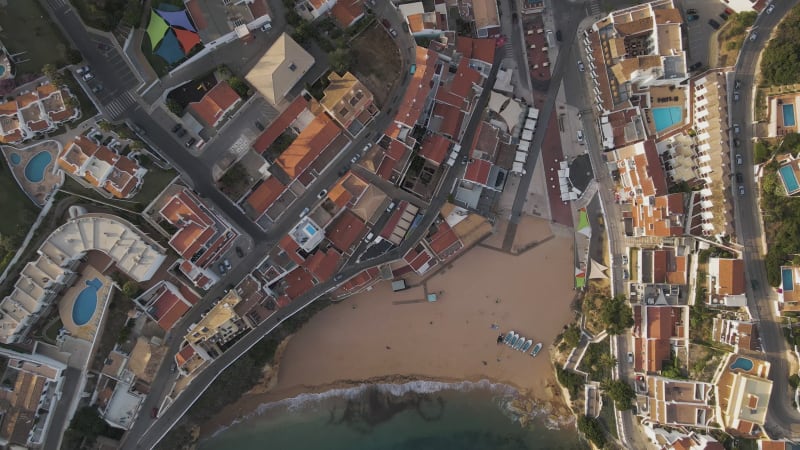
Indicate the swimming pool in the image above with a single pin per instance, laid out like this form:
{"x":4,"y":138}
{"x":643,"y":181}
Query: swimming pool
{"x":310,"y":229}
{"x":34,"y":171}
{"x":789,"y":179}
{"x":743,"y":364}
{"x":86,"y":302}
{"x":15,"y":159}
{"x":666,"y":117}
{"x":787,"y":280}
{"x":788,"y":115}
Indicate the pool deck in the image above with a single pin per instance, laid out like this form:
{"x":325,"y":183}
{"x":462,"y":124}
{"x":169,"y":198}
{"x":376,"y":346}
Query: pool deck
{"x":65,"y":304}
{"x":658,"y":93}
{"x":776,"y":126}
{"x":53,"y":177}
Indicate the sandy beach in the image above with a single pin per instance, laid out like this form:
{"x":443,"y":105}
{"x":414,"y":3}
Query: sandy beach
{"x":381,"y":336}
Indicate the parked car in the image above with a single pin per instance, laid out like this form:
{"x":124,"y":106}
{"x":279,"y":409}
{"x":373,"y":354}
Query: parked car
{"x":630,"y":357}
{"x":322,"y":193}
{"x":736,"y":128}
{"x":728,"y":11}
{"x":391,"y":206}
{"x":367,"y":147}
{"x":692,"y":17}
{"x":182,"y":132}
{"x":753,"y":36}
{"x":304,"y":212}
{"x":393,"y":32}
{"x":739,"y":178}
{"x":625,"y":260}
{"x":239,"y":251}
{"x":739,"y":161}
{"x":625,"y":274}
{"x":97,"y":88}
{"x":581,"y":67}
{"x":369,"y":237}
{"x":154,"y":413}
{"x":88,"y":76}
{"x":266,"y":27}
{"x":176,"y":127}
{"x":714,"y":24}
{"x":83,"y":70}
{"x":260,"y":126}
{"x":736,"y":96}
{"x":691,"y":11}
{"x":190,"y":142}
{"x":770,"y":8}
{"x":737,"y":84}
{"x":354,"y":159}
{"x":580,"y":136}
{"x":221,"y":268}
{"x":386,"y":23}
{"x":695,"y":66}
{"x":558,"y":35}
{"x":741,"y":190}
{"x":736,"y":142}
{"x":227,"y":263}
{"x":723,"y":16}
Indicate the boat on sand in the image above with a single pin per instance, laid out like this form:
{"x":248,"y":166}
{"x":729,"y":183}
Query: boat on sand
{"x":508,"y":337}
{"x":536,"y":349}
{"x":526,"y":346}
{"x":518,"y":345}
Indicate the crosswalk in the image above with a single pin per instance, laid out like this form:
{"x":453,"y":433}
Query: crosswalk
{"x":594,"y":7}
{"x":115,"y":108}
{"x":508,"y":49}
{"x":57,"y":4}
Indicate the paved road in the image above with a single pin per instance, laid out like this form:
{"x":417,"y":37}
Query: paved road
{"x":782,"y":419}
{"x":52,"y":440}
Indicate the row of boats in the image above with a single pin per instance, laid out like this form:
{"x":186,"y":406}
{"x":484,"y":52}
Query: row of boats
{"x":518,"y":342}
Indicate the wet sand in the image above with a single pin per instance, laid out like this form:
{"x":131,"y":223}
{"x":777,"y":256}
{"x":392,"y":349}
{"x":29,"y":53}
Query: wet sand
{"x":381,"y":336}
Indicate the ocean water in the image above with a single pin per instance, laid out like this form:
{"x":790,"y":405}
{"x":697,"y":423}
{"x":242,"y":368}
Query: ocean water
{"x":412,"y":416}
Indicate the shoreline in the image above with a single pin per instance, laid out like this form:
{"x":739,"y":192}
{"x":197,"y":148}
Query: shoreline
{"x":385,"y":337}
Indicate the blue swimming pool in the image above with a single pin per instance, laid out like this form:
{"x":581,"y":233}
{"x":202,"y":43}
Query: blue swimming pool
{"x":743,"y":364}
{"x":789,"y":179}
{"x":34,"y":171}
{"x":15,"y":159}
{"x":86,"y":302}
{"x":310,"y":229}
{"x":788,"y":115}
{"x":787,"y":280}
{"x":667,"y":117}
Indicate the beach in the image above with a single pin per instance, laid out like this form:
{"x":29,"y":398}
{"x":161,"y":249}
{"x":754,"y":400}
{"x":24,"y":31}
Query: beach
{"x":398,"y":337}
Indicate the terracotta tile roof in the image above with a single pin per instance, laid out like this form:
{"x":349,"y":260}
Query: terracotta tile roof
{"x":298,"y":282}
{"x":451,"y":119}
{"x":167,"y":309}
{"x":291,"y":247}
{"x":464,"y":80}
{"x":213,"y":106}
{"x":731,"y":277}
{"x":7,"y":108}
{"x":478,"y":171}
{"x":196,"y":11}
{"x":280,"y":124}
{"x":184,"y":355}
{"x":308,"y":145}
{"x":445,"y":95}
{"x":323,"y":265}
{"x":419,"y":87}
{"x":418,"y":259}
{"x":443,"y":239}
{"x":480,"y":49}
{"x":265,"y":195}
{"x":434,"y":148}
{"x":345,"y":230}
{"x":346,"y":12}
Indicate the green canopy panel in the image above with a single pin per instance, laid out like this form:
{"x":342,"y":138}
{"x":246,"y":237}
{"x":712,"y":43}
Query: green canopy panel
{"x":156,"y":29}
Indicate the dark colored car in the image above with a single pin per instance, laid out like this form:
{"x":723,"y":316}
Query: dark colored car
{"x":176,"y":128}
{"x":691,"y":11}
{"x":692,"y":17}
{"x":239,"y":252}
{"x":182,"y":132}
{"x":736,"y":142}
{"x":260,"y":126}
{"x":739,"y":177}
{"x":386,"y":23}
{"x":190,"y":142}
{"x":558,"y":35}
{"x":695,"y":66}
{"x":714,"y":24}
{"x":154,"y":413}
{"x":723,"y":16}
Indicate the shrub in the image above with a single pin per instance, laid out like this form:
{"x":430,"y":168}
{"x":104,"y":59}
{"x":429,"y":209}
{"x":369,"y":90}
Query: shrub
{"x":591,"y":427}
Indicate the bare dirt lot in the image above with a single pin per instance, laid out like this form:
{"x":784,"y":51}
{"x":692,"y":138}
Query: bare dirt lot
{"x":377,"y":61}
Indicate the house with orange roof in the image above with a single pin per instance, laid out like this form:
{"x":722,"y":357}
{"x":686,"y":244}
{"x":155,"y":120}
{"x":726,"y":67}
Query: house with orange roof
{"x":280,"y":124}
{"x":726,"y":282}
{"x":409,"y":112}
{"x":658,"y":331}
{"x":479,"y":52}
{"x":435,"y":148}
{"x":743,"y":394}
{"x":201,"y":236}
{"x":348,"y":12}
{"x":739,"y":334}
{"x":263,"y":196}
{"x":101,"y":168}
{"x":358,"y":283}
{"x":308,"y":145}
{"x":420,"y":259}
{"x":422,"y":23}
{"x":164,"y":304}
{"x":345,"y":231}
{"x":323,"y":264}
{"x":216,"y":105}
{"x":666,"y":265}
{"x":314,"y":9}
{"x":34,"y":112}
{"x":348,"y":101}
{"x":443,"y":241}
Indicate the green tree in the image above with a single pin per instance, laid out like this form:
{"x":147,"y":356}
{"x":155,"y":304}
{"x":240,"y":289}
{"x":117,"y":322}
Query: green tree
{"x":621,"y":392}
{"x":761,"y":152}
{"x":340,"y":60}
{"x":592,"y":429}
{"x":74,"y":56}
{"x":780,"y":63}
{"x":174,"y":107}
{"x":572,"y":335}
{"x":86,"y":425}
{"x":104,"y":125}
{"x":733,"y":45}
{"x":53,"y":74}
{"x":238,"y":85}
{"x":616,"y":315}
{"x":133,"y":13}
{"x":130,"y":288}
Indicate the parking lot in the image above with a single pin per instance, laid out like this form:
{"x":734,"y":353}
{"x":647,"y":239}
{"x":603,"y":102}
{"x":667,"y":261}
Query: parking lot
{"x":700,"y":32}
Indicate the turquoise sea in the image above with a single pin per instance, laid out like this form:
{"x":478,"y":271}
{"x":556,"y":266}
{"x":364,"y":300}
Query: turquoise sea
{"x":412,"y":416}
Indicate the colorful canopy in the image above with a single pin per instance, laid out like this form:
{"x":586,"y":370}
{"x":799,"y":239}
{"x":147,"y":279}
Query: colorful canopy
{"x":177,"y":19}
{"x":170,"y":49}
{"x":156,"y":29}
{"x":187,"y":39}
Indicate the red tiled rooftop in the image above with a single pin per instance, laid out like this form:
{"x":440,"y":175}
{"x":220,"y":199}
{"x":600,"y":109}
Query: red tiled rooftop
{"x":168,"y":309}
{"x":451,"y":119}
{"x":298,"y":282}
{"x":184,"y":355}
{"x":464,"y":79}
{"x":434,"y":148}
{"x":345,"y":230}
{"x":215,"y":103}
{"x":290,"y":247}
{"x":418,"y":88}
{"x":346,"y":11}
{"x":196,"y":12}
{"x":308,"y":145}
{"x":265,"y":195}
{"x":280,"y":124}
{"x":417,"y":259}
{"x":480,"y":49}
{"x":478,"y":171}
{"x":323,"y":265}
{"x":442,"y":239}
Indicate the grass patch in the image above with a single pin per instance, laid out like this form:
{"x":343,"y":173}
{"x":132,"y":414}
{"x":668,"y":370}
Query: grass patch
{"x":731,"y":37}
{"x":105,"y":15}
{"x":596,"y":292}
{"x":26,"y":27}
{"x":235,"y":182}
{"x":607,"y":418}
{"x":21,"y":215}
{"x":597,"y":361}
{"x":88,"y":109}
{"x":379,"y":66}
{"x":703,"y":361}
{"x":155,"y":180}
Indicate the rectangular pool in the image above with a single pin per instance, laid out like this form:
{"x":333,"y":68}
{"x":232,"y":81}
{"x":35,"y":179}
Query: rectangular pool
{"x":788,"y":115}
{"x":667,"y":117}
{"x":310,"y":229}
{"x":787,"y":280}
{"x":787,"y":174}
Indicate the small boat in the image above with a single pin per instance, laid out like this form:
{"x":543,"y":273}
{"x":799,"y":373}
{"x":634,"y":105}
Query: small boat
{"x":508,"y":337}
{"x":526,"y":346}
{"x":514,"y":340}
{"x":536,"y":349}
{"x":519,"y":343}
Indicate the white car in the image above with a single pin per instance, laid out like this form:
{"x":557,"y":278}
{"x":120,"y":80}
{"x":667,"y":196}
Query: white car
{"x":753,"y":36}
{"x":580,"y":136}
{"x":739,"y":161}
{"x":88,"y":76}
{"x":354,"y":159}
{"x":736,"y":128}
{"x":266,"y":27}
{"x":770,"y":8}
{"x":581,"y":67}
